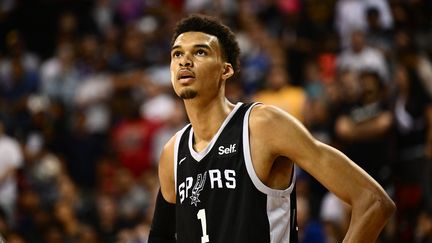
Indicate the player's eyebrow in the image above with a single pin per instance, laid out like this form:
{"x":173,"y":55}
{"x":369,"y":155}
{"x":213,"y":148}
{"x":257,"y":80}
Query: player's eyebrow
{"x":204,"y":46}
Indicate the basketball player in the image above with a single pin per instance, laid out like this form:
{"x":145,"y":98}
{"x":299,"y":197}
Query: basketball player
{"x":229,"y":175}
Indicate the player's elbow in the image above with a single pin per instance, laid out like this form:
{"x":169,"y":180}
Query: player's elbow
{"x":387,"y":206}
{"x":381,"y":204}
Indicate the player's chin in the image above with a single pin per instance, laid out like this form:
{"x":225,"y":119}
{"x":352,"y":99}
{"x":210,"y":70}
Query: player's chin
{"x":188,"y":93}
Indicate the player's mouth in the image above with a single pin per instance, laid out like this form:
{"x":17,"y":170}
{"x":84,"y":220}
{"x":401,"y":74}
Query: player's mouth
{"x":185,"y":76}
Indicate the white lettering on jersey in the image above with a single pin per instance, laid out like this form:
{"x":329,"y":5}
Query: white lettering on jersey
{"x":215,"y":176}
{"x":182,"y":190}
{"x":189,"y":182}
{"x":230,"y":178}
{"x":191,"y":189}
{"x":231,"y":149}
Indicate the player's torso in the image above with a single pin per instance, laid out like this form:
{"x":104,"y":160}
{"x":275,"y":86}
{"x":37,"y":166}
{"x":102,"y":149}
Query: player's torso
{"x":216,"y":199}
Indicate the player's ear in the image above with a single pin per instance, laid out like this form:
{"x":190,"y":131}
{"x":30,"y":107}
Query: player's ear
{"x":228,"y":71}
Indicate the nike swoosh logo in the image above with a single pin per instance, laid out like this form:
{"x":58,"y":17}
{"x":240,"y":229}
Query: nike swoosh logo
{"x":182,"y":160}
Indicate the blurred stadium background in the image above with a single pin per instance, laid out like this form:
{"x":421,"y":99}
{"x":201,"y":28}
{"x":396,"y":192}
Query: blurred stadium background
{"x":86,"y":106}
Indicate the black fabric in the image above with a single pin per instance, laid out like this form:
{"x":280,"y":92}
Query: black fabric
{"x":217,"y":201}
{"x":163,"y":225}
{"x":218,"y":186}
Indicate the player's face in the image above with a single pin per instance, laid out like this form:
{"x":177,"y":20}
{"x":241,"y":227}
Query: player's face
{"x":197,"y":65}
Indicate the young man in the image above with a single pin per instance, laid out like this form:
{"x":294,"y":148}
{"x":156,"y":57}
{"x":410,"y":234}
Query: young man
{"x":229,"y":176}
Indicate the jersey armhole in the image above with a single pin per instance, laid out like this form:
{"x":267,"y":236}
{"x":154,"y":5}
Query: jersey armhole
{"x":249,"y":165}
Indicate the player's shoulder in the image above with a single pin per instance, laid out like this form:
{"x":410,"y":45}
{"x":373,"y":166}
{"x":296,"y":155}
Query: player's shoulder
{"x":268,"y":121}
{"x":266,"y":115}
{"x":169,"y":146}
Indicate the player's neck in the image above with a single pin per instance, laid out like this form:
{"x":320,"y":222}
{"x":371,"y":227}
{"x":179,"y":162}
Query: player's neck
{"x":206,"y":118}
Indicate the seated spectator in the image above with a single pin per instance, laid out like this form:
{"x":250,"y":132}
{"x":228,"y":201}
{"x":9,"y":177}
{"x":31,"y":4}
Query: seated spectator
{"x":412,"y":118}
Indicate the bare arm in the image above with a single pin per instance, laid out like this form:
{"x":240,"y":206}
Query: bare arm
{"x":166,"y":172}
{"x":371,"y":206}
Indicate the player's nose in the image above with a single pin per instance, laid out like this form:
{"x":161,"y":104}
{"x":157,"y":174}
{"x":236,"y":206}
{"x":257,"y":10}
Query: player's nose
{"x":186,"y":61}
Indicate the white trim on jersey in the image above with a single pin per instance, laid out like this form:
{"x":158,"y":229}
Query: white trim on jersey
{"x":176,"y":148}
{"x":198,"y":156}
{"x":249,"y":166}
{"x":278,"y":201}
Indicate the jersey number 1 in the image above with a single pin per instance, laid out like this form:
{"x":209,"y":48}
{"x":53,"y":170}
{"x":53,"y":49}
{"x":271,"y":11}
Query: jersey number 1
{"x":201,"y":215}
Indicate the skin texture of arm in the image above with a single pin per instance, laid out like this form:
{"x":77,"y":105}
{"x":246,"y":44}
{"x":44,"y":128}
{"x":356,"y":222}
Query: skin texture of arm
{"x":287,"y":138}
{"x":166,"y":172}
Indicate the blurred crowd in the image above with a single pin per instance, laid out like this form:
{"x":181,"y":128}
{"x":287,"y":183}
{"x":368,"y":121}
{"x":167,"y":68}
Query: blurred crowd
{"x":86,"y":106}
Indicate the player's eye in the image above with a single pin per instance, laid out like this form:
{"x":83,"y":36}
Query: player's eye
{"x":201,"y":52}
{"x":176,"y":54}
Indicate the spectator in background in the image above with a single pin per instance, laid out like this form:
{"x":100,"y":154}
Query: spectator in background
{"x":158,"y":104}
{"x":67,"y":28}
{"x":11,"y":159}
{"x":16,"y":51}
{"x":412,"y":112}
{"x":87,"y":234}
{"x":42,"y":170}
{"x":334,"y":215}
{"x":106,"y":218}
{"x":360,"y":57}
{"x":132,"y":199}
{"x":81,"y":152}
{"x":418,"y":62}
{"x":131,"y":54}
{"x":133,"y":137}
{"x":128,"y":11}
{"x":19,"y":83}
{"x":15,"y":91}
{"x":376,"y":35}
{"x":351,"y":14}
{"x":89,"y":56}
{"x":14,"y":237}
{"x":60,"y":75}
{"x":19,"y":78}
{"x":255,"y":62}
{"x":4,"y":224}
{"x":423,"y":233}
{"x":313,"y":82}
{"x":363,"y":128}
{"x":175,"y":120}
{"x":103,"y":15}
{"x":278,"y":92}
{"x":318,"y":117}
{"x":65,"y":217}
{"x":310,"y":230}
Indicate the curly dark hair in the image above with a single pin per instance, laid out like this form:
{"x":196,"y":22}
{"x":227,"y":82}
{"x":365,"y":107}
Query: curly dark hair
{"x":212,"y":26}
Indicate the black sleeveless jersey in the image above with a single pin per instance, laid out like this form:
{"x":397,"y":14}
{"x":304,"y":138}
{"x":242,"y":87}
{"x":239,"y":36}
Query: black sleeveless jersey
{"x":219,"y":196}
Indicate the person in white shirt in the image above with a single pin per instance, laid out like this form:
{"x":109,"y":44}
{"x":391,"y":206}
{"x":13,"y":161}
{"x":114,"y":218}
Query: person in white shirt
{"x":361,"y":57}
{"x":11,"y":158}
